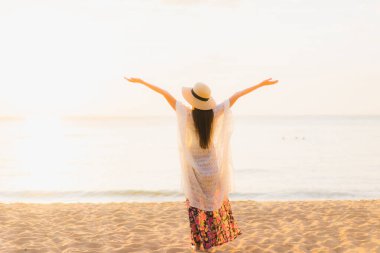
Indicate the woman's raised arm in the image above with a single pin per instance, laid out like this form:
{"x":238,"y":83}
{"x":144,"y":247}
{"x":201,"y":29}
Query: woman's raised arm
{"x":238,"y":94}
{"x":171,"y":100}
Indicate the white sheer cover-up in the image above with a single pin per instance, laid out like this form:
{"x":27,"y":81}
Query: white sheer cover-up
{"x":207,"y":174}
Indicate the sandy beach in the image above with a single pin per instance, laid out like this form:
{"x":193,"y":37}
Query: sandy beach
{"x":273,"y":226}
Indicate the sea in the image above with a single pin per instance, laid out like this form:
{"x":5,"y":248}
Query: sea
{"x":48,"y":159}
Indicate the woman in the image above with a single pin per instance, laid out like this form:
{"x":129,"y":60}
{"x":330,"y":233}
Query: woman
{"x":204,"y":131}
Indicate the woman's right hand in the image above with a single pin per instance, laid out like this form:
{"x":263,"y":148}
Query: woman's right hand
{"x":268,"y":81}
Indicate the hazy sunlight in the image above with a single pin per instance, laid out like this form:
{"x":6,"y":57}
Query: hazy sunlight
{"x":43,"y":153}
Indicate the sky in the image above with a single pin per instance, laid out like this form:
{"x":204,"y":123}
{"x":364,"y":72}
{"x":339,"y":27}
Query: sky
{"x":69,"y":57}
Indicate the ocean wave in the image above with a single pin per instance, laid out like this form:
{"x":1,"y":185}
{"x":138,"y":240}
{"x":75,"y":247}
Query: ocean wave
{"x":167,"y":195}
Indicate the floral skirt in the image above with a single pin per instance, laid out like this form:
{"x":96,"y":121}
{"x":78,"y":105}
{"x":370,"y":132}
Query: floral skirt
{"x":212,"y":228}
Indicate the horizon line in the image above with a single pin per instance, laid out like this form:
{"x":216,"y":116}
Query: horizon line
{"x":115,"y":116}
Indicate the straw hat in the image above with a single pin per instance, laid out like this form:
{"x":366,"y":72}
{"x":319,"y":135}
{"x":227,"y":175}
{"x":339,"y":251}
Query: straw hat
{"x":199,"y":96}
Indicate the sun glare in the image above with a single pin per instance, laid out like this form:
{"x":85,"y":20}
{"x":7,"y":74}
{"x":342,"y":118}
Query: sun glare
{"x":42,"y":153}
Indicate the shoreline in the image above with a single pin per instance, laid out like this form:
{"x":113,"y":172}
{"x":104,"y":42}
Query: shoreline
{"x":177,"y":201}
{"x":267,"y":226}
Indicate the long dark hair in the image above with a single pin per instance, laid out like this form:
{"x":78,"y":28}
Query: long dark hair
{"x":203,"y":120}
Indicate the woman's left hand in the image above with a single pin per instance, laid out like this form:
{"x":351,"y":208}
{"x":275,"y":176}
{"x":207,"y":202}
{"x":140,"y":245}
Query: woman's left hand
{"x":134,"y":79}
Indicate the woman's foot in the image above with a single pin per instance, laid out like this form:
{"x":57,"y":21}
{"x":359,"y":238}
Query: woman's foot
{"x":198,"y":248}
{"x":195,"y":247}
